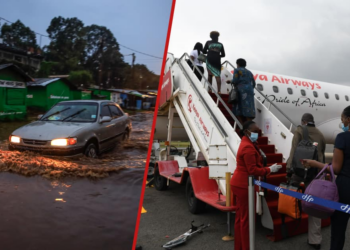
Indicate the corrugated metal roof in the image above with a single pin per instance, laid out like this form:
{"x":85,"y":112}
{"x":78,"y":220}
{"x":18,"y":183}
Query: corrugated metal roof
{"x":18,"y":70}
{"x":3,"y":66}
{"x":43,"y":82}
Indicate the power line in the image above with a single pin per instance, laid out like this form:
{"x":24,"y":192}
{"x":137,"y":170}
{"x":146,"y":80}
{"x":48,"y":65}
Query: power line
{"x":1,"y":18}
{"x":140,"y":52}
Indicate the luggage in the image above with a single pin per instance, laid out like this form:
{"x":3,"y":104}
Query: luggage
{"x":304,"y":150}
{"x":202,"y":58}
{"x":288,"y":205}
{"x":232,"y":96}
{"x":320,"y":188}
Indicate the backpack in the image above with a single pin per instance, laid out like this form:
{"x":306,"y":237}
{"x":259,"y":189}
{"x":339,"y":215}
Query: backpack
{"x":305,"y":150}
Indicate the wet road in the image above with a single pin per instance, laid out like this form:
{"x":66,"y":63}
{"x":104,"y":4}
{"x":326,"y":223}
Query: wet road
{"x":168,"y":217}
{"x":54,"y":203}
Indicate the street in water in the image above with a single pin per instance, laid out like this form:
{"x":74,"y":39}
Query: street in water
{"x":79,"y":203}
{"x":167,"y":217}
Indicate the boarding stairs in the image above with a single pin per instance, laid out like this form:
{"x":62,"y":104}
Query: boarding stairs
{"x":213,"y":131}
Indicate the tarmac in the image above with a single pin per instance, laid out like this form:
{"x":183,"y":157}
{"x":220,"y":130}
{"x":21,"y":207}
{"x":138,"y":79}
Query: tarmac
{"x":167,"y":217}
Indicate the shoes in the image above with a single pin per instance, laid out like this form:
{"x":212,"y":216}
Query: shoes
{"x":315,"y":246}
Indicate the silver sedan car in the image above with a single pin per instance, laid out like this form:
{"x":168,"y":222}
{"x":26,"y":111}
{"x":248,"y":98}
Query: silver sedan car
{"x":74,"y":127}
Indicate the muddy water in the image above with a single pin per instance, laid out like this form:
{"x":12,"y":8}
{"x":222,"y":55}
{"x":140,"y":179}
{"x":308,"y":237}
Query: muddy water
{"x":79,"y":203}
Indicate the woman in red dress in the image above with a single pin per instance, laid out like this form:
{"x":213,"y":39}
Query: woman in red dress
{"x":249,"y":162}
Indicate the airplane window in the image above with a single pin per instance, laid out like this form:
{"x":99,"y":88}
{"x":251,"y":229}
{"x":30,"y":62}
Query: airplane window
{"x":326,"y":95}
{"x":290,"y":91}
{"x":346,"y":98}
{"x":275,"y":89}
{"x":260,"y":87}
{"x":315,"y":94}
{"x":303,"y":93}
{"x":337,"y":96}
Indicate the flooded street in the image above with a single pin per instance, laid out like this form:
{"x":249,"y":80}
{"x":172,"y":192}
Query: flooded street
{"x":81,"y":203}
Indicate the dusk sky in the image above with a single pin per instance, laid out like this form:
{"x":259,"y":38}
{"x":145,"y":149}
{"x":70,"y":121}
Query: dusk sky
{"x":140,"y":25}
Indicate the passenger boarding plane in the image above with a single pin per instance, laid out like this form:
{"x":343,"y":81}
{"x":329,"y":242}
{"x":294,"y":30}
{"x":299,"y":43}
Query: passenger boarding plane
{"x":294,"y":97}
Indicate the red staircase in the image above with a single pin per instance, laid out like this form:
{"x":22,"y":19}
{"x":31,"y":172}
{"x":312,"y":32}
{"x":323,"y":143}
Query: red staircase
{"x":294,"y":227}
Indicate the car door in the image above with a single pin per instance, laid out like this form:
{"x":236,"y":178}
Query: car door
{"x":118,"y":120}
{"x":106,"y":129}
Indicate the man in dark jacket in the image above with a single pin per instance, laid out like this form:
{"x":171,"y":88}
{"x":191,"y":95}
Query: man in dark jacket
{"x":315,"y":135}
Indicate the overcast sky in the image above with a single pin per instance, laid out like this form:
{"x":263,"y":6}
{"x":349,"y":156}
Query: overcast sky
{"x":307,"y":39}
{"x":139,"y":24}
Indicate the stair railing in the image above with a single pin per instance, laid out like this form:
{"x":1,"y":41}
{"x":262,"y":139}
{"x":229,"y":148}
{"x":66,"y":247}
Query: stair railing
{"x":218,"y":100}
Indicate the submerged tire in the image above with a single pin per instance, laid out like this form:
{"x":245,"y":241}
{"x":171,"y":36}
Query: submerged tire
{"x":159,"y":181}
{"x":126,"y":135}
{"x":91,"y":151}
{"x":195,"y":205}
{"x":10,"y":148}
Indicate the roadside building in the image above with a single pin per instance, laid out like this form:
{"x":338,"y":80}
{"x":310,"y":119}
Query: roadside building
{"x":81,"y":94}
{"x":13,"y":92}
{"x":133,"y":99}
{"x":29,"y":57}
{"x":100,"y":94}
{"x":44,"y":93}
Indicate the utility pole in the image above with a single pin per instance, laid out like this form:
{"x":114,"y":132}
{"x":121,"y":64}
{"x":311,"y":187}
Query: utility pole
{"x":100,"y":61}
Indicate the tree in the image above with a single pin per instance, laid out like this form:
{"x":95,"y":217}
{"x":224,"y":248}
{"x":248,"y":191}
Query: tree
{"x":67,"y":43}
{"x":46,"y":69}
{"x":18,"y":35}
{"x":103,"y":58}
{"x":82,"y":77}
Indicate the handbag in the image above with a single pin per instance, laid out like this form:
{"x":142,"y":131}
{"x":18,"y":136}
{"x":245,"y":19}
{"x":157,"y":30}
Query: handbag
{"x":232,"y":96}
{"x":321,"y":188}
{"x":202,"y":58}
{"x":288,"y":205}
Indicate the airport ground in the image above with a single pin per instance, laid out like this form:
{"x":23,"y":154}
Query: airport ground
{"x":167,"y":217}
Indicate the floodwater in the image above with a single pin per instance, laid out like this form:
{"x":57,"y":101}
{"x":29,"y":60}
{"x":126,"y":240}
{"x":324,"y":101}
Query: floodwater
{"x":81,"y":203}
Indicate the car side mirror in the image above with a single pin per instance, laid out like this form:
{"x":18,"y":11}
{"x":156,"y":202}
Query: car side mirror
{"x":39,"y":117}
{"x":105,"y":119}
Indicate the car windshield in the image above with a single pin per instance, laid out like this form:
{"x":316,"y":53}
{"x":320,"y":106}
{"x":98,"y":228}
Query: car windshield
{"x":72,"y":112}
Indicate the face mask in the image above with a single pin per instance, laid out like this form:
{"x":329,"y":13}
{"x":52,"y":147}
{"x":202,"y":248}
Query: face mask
{"x":253,"y":136}
{"x":344,"y":128}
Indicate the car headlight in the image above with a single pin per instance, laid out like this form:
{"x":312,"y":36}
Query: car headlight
{"x":15,"y":139}
{"x":59,"y":142}
{"x":64,"y":142}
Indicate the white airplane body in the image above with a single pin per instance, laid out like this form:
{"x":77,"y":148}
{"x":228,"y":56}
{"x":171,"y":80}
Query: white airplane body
{"x":296,"y":96}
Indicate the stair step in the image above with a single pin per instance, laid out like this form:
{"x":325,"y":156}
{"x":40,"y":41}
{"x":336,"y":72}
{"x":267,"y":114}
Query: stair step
{"x":276,"y":179}
{"x":268,"y":149}
{"x":263,"y":140}
{"x":273,"y":158}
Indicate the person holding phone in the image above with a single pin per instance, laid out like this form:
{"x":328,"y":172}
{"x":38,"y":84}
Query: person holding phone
{"x":249,"y":162}
{"x":341,"y":167}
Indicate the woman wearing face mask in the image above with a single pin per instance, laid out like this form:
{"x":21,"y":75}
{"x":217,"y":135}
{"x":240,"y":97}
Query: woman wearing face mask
{"x":341,"y":167}
{"x":249,"y":162}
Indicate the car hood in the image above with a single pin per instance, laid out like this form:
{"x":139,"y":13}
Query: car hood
{"x":48,"y":130}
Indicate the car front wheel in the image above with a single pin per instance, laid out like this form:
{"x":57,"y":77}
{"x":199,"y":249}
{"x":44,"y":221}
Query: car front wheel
{"x":91,"y":151}
{"x":126,"y":135}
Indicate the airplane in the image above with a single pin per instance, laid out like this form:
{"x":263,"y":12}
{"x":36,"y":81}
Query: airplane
{"x":295,"y":96}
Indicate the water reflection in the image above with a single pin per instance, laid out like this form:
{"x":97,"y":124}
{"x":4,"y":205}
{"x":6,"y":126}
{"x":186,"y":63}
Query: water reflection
{"x":66,"y":210}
